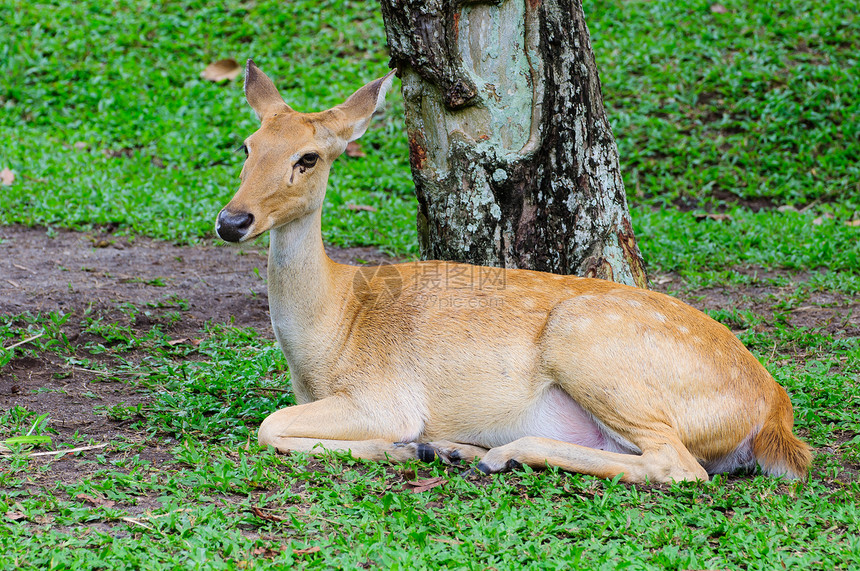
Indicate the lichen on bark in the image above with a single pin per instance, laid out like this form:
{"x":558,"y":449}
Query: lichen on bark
{"x":511,"y":152}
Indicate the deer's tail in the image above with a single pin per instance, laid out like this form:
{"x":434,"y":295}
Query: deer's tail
{"x":778,"y":451}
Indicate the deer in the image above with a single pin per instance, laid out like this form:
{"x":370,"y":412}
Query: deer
{"x":440,"y":360}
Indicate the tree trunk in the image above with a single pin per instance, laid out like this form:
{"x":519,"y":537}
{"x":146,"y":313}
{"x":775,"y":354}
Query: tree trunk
{"x":512,"y":155}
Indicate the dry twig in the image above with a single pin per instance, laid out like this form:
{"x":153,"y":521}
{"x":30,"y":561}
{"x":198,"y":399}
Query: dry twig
{"x":27,"y":340}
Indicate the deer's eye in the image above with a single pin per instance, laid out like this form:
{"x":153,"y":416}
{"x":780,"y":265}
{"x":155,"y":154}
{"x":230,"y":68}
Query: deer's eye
{"x":308,"y":160}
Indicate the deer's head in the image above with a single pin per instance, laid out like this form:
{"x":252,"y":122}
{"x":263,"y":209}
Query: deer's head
{"x":289,"y":158}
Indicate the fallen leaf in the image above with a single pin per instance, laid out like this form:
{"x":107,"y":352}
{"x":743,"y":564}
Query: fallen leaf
{"x":711,"y":216}
{"x":7,"y":177}
{"x":81,"y":146}
{"x":15,"y":516}
{"x":820,"y":220}
{"x":268,"y":552}
{"x":157,"y":162}
{"x":96,"y":501}
{"x":663,"y":280}
{"x":787,"y":208}
{"x":719,"y":9}
{"x":314,"y":549}
{"x":222,"y":70}
{"x":424,"y":485}
{"x":353,"y":149}
{"x":855,"y":223}
{"x":266,"y":516}
{"x":362,"y":207}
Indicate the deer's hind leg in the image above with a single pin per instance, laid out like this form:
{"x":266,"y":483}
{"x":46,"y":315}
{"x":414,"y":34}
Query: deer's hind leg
{"x":659,"y":462}
{"x":612,"y":381}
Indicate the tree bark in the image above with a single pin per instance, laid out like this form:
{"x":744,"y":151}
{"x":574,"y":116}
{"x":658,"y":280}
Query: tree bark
{"x":512,"y":155}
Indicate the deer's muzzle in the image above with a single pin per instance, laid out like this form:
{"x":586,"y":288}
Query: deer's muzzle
{"x":233,"y":226}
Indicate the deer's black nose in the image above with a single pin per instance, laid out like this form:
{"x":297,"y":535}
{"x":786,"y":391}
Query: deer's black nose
{"x":231,"y":226}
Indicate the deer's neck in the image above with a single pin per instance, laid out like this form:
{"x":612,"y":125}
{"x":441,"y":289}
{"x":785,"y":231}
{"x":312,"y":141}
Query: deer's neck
{"x":301,"y":287}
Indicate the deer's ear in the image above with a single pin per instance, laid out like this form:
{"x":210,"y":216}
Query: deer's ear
{"x":261,"y":93}
{"x":359,"y":108}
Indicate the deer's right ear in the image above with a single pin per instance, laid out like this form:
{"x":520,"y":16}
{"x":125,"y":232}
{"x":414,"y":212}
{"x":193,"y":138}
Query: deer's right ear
{"x":261,"y":93}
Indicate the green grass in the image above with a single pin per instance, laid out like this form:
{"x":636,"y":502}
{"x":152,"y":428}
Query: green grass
{"x":125,"y":80}
{"x":106,"y":123}
{"x":755,"y":103}
{"x":758,"y":102}
{"x":215,"y":500}
{"x":524,"y":521}
{"x":705,"y":250}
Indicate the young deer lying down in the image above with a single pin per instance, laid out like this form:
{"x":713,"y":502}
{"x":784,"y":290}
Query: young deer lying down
{"x":436,"y":359}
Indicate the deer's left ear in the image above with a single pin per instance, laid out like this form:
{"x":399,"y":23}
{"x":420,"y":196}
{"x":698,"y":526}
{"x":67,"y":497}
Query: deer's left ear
{"x":261,"y":93}
{"x":359,"y":108}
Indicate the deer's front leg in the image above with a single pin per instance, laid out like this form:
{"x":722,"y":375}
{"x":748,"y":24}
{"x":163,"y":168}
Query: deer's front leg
{"x":335,"y":424}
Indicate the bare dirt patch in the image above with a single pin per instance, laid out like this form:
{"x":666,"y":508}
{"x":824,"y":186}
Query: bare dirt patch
{"x":69,"y":271}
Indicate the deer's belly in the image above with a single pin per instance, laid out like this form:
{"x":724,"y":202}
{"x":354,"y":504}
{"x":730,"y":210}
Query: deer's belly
{"x":553,"y":415}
